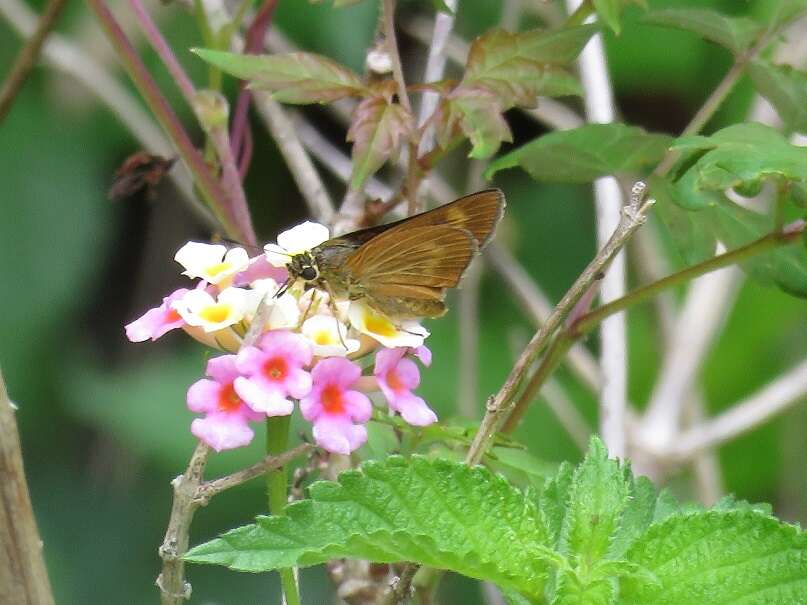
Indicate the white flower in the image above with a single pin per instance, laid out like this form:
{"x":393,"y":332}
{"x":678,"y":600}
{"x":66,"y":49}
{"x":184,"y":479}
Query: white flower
{"x":283,"y":311}
{"x":211,"y":262}
{"x":380,"y":327}
{"x":200,"y":309}
{"x":321,"y":303}
{"x":327,"y":334}
{"x":296,"y":240}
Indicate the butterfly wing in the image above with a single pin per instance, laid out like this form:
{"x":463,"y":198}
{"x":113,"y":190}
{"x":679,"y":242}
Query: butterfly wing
{"x":478,"y":213}
{"x":405,"y":270}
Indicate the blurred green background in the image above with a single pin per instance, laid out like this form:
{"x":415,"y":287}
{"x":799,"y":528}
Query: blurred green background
{"x":103,"y":421}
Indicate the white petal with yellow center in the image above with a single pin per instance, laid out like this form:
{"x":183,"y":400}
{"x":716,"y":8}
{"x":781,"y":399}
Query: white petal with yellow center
{"x":211,"y":262}
{"x":296,"y":240}
{"x":321,"y":304}
{"x":383,"y":329}
{"x":328,"y":336}
{"x":198,"y":308}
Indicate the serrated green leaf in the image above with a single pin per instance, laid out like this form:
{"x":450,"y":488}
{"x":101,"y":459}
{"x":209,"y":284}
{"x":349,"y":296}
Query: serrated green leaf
{"x":583,"y":154}
{"x":511,"y":597}
{"x":573,"y":590}
{"x":298,"y":78}
{"x":519,"y":67}
{"x":786,"y":89}
{"x":719,"y":557}
{"x":379,"y":128}
{"x":785,"y":267}
{"x":691,"y":234}
{"x":554,"y":499}
{"x":438,"y":513}
{"x":735,"y":33}
{"x":598,"y":496}
{"x":514,"y":461}
{"x":736,"y":155}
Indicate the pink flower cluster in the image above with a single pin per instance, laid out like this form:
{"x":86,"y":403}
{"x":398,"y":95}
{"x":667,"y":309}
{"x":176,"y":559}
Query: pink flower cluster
{"x":300,"y":356}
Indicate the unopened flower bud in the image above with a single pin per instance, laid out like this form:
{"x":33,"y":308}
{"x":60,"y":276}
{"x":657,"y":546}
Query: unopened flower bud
{"x":211,"y":109}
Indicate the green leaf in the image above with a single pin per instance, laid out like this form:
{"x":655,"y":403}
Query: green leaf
{"x":734,"y":156}
{"x":554,"y":499}
{"x":515,"y":462}
{"x":298,"y":78}
{"x":574,"y":590}
{"x":719,"y":557}
{"x":378,"y":129}
{"x":519,"y":67}
{"x":691,"y":233}
{"x":583,"y":154}
{"x":609,"y":12}
{"x":434,"y":512}
{"x":476,"y":114}
{"x":735,"y":33}
{"x":786,"y":89}
{"x":598,"y":496}
{"x":785,"y":266}
{"x":512,"y":597}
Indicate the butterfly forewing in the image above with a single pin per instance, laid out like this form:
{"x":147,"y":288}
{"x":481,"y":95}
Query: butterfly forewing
{"x":432,"y":256}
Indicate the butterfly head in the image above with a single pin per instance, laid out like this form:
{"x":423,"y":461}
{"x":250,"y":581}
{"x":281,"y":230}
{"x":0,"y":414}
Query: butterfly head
{"x":303,"y":266}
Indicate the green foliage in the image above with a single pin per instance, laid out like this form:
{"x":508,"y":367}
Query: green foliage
{"x":785,"y":267}
{"x":583,"y":154}
{"x":476,"y":114}
{"x":735,"y":33}
{"x":786,"y":89}
{"x":732,"y":157}
{"x":378,"y":130}
{"x":293,"y":77}
{"x":442,"y":514}
{"x":593,"y":533}
{"x":519,"y":67}
{"x":611,"y":10}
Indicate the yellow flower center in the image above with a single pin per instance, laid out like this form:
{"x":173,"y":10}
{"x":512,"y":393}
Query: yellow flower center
{"x":214,"y":270}
{"x":215,"y":313}
{"x":378,"y":324}
{"x":323,"y":337}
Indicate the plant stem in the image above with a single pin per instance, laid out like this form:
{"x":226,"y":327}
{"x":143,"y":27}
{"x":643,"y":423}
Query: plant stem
{"x":209,"y":186}
{"x":392,"y":48}
{"x":277,"y":438}
{"x":23,"y":576}
{"x":28,"y":56}
{"x":590,"y":320}
{"x":579,"y":16}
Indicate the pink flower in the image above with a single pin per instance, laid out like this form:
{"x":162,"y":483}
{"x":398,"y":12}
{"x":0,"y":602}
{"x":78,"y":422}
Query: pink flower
{"x":273,"y":371}
{"x":224,"y":426}
{"x":156,"y":322}
{"x":333,"y":408}
{"x":397,"y":375}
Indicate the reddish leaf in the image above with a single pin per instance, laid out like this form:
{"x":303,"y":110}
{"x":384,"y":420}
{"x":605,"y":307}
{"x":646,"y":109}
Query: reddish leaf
{"x":379,"y":127}
{"x":519,"y":67}
{"x":139,"y":171}
{"x":294,"y":77}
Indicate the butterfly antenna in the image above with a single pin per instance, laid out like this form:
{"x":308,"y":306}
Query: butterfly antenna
{"x":284,"y":286}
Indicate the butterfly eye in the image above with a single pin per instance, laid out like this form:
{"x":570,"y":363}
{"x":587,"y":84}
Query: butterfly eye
{"x":308,"y":273}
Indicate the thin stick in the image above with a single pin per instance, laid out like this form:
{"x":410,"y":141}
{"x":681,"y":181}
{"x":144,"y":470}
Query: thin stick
{"x":302,"y":168}
{"x":787,"y":390}
{"x":500,"y":405}
{"x":159,"y":106}
{"x":27,"y":57}
{"x":392,"y":46}
{"x":599,"y":103}
{"x":171,"y":581}
{"x":63,"y":55}
{"x":23,"y":575}
{"x":208,"y":489}
{"x":163,"y":50}
{"x":435,"y":67}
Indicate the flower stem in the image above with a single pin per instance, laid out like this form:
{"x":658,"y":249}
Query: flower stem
{"x":277,"y":438}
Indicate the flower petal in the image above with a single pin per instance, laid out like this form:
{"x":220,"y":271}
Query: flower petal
{"x":263,"y":398}
{"x":303,"y":237}
{"x":222,"y":431}
{"x":276,"y":256}
{"x":222,"y":369}
{"x":203,"y":396}
{"x":383,"y":329}
{"x":336,"y":371}
{"x":413,"y":410}
{"x":338,"y":435}
{"x":298,"y":383}
{"x":357,"y":405}
{"x":195,"y":257}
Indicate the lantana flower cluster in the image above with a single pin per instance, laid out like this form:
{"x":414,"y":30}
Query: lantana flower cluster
{"x":308,"y":349}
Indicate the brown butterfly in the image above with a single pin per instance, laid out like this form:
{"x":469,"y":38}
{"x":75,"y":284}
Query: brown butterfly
{"x":402,"y":269}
